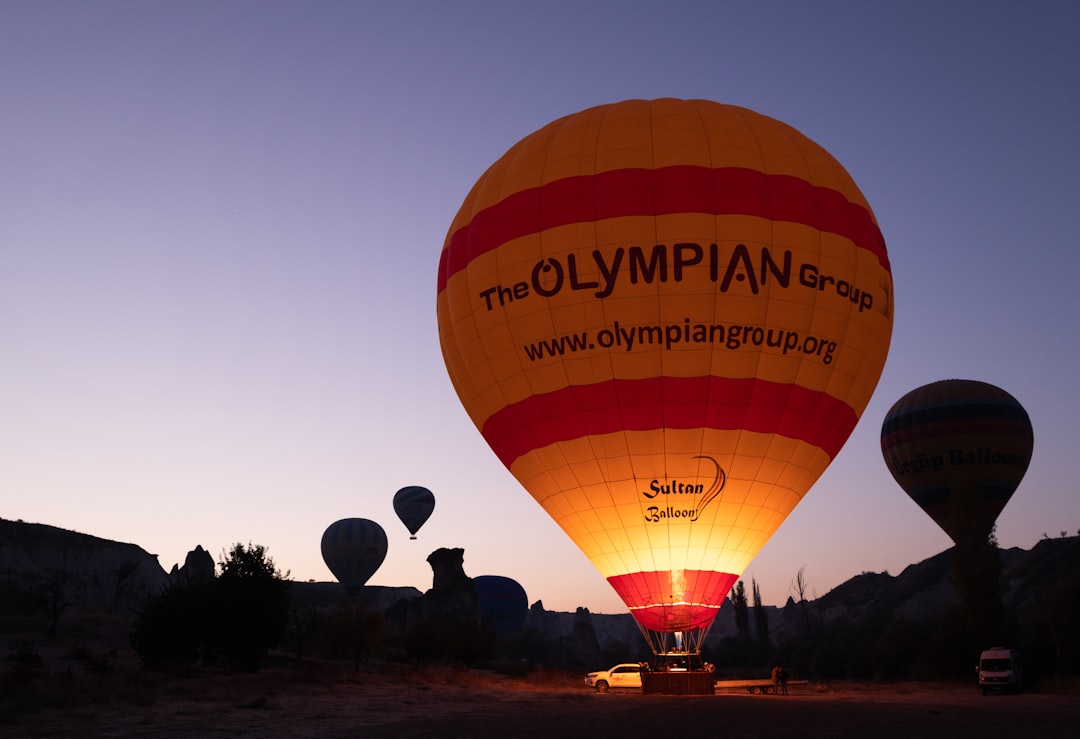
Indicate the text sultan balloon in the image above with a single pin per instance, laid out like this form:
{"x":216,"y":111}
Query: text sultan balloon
{"x":666,"y":317}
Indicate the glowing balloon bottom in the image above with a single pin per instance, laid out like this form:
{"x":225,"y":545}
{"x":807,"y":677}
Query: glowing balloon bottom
{"x":674,"y":601}
{"x":669,"y":527}
{"x":674,"y":610}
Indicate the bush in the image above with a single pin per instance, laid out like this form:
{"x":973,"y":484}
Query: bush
{"x":450,"y":640}
{"x":171,"y":627}
{"x":233,"y":620}
{"x":351,"y":632}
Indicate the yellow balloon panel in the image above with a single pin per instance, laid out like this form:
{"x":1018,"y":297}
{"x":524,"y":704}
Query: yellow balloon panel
{"x":671,"y":489}
{"x":670,"y":293}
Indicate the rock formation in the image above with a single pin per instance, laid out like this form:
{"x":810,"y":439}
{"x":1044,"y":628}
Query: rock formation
{"x":451,"y":597}
{"x":198,"y":568}
{"x":77,"y":572}
{"x":448,"y":570}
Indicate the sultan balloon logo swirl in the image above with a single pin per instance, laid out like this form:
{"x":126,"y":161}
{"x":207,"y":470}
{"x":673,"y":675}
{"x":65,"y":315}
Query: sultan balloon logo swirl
{"x":666,"y":317}
{"x":714,"y":489}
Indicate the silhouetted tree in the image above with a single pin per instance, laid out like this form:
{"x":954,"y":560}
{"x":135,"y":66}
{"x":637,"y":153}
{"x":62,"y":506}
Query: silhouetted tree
{"x":57,"y":588}
{"x":170,"y":628}
{"x":736,"y":650}
{"x":306,"y":624}
{"x":799,"y":588}
{"x":742,"y":615}
{"x":251,"y":609}
{"x":761,"y":616}
{"x":233,"y":619}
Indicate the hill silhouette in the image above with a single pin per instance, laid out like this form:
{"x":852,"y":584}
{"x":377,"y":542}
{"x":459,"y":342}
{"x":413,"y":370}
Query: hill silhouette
{"x":48,"y":574}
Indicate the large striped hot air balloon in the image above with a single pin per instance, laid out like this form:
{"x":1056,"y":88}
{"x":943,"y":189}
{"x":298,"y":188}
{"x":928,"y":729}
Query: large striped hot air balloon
{"x":353,"y":549}
{"x":666,"y":317}
{"x":959,"y":449}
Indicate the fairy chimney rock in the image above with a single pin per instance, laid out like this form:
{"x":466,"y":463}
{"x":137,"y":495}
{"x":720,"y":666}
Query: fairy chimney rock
{"x":447,"y":569}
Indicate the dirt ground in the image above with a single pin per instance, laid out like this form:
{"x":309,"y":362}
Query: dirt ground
{"x":333,"y":700}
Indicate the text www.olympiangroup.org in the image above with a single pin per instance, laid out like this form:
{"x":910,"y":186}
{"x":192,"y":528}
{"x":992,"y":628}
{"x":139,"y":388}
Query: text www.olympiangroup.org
{"x":672,"y":335}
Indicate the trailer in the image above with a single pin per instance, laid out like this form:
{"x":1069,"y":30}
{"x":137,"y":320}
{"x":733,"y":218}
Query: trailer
{"x":760,"y":686}
{"x":752,"y":686}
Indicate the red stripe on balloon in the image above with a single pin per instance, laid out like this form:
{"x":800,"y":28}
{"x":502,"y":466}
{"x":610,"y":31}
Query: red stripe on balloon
{"x":989,"y":426}
{"x":649,"y":596}
{"x":669,"y":403}
{"x":655,"y":192}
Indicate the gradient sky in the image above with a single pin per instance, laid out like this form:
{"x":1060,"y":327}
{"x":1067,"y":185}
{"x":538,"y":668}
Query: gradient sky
{"x":220,"y":224}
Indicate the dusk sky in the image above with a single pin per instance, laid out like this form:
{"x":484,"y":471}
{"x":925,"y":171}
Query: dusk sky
{"x":220,"y":225}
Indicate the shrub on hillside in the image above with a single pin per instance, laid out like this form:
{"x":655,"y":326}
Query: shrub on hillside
{"x":450,"y":640}
{"x":233,"y":620}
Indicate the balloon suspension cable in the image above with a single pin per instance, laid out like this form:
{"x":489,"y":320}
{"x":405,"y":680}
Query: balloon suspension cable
{"x":675,"y":644}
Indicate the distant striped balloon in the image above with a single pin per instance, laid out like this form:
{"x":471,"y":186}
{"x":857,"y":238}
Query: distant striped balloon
{"x":959,"y":449}
{"x":666,"y":317}
{"x":354,"y":549}
{"x":413,"y":505}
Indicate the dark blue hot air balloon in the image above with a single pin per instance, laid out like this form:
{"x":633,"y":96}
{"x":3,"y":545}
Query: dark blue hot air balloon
{"x":413,"y":505}
{"x":503,"y":603}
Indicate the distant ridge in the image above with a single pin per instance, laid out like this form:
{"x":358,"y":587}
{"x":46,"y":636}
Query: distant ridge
{"x":75,"y":571}
{"x":100,"y":575}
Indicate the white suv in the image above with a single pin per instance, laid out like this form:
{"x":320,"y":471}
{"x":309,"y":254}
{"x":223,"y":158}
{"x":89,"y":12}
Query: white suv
{"x":626,"y":675}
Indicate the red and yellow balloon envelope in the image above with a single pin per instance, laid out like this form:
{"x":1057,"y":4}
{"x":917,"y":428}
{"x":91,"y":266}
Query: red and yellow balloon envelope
{"x":959,"y":449}
{"x":666,"y":318}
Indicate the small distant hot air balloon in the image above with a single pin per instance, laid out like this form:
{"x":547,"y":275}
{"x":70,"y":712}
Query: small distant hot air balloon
{"x":503,"y":602}
{"x":959,"y":449}
{"x":666,"y":317}
{"x":413,"y":505}
{"x":353,"y":549}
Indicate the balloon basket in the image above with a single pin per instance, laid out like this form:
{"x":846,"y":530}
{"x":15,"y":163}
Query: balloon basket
{"x":677,"y":667}
{"x":678,"y":683}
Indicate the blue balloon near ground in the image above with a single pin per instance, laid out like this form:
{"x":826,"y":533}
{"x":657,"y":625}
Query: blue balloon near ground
{"x":413,"y":505}
{"x":503,"y":603}
{"x":353,"y":549}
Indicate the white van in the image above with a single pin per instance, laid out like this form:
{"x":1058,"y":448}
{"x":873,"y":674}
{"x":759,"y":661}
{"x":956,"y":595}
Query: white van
{"x":999,"y":669}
